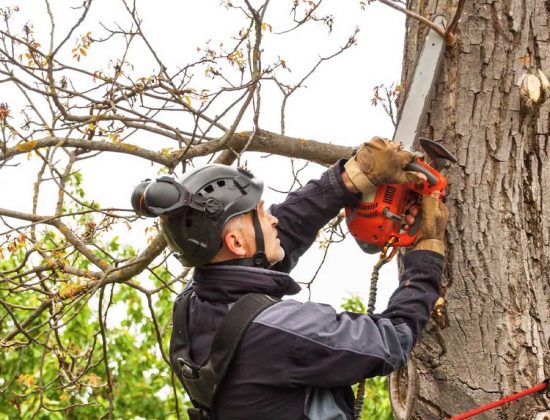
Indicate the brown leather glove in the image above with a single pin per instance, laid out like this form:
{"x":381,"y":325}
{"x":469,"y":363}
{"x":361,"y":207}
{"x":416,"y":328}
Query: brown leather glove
{"x":432,"y":228}
{"x":380,"y":161}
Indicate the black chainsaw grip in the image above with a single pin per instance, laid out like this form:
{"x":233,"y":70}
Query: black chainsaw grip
{"x":416,"y":225}
{"x":417,"y":167}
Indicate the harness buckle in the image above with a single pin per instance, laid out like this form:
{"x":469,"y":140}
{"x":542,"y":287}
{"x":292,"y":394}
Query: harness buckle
{"x":188,"y":370}
{"x":197,"y":414}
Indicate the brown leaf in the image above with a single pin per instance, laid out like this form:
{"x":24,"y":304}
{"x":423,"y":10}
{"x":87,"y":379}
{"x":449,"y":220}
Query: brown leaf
{"x":525,"y":60}
{"x":130,"y":147}
{"x":93,"y":380}
{"x":26,"y":146}
{"x":25,"y":379}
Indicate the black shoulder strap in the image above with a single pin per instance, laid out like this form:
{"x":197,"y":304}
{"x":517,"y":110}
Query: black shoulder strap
{"x":233,"y":326}
{"x":202,"y":383}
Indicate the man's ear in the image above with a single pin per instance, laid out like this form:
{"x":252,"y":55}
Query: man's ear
{"x":234,"y":243}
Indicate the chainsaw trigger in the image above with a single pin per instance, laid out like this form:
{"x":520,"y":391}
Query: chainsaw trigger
{"x":392,"y":216}
{"x":414,"y":228}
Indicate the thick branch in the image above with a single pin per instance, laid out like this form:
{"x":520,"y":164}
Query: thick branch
{"x":263,"y":141}
{"x":268,"y":142}
{"x":137,"y":265}
{"x":105,"y":146}
{"x":43,"y":306}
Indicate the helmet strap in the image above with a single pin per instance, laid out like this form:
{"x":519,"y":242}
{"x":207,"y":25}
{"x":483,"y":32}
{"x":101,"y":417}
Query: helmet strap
{"x":259,"y":259}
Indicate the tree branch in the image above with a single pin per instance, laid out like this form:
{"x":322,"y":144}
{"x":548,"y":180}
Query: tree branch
{"x":263,"y":141}
{"x":416,"y":16}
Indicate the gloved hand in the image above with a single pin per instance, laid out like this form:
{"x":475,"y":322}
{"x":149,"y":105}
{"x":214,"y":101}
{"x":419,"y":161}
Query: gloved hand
{"x":432,"y":228}
{"x":378,"y":162}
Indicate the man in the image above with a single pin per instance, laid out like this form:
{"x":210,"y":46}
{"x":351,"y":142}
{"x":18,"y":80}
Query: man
{"x":294,"y":360}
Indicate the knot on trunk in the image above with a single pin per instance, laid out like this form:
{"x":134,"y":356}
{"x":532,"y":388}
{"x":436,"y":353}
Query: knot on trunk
{"x":534,"y":89}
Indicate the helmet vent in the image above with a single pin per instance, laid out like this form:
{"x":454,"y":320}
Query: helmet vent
{"x":221,"y":183}
{"x":209,"y":189}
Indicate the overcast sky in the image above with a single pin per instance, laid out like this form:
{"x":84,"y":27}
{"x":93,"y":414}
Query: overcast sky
{"x":334,"y":107}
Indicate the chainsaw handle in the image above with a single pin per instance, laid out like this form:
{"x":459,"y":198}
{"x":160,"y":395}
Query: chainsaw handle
{"x":416,"y":225}
{"x":414,"y":166}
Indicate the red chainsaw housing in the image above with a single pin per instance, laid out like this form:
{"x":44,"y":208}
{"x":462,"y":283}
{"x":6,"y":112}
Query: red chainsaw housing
{"x":376,"y":222}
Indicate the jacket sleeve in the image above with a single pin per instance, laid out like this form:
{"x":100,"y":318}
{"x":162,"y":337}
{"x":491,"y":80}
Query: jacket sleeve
{"x":307,"y":210}
{"x":328,"y":349}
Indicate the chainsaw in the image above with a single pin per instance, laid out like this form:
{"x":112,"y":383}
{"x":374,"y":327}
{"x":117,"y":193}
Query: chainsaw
{"x":380,"y":221}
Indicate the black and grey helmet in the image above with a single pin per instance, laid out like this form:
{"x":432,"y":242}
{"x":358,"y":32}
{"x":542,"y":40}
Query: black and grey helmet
{"x":195,"y":209}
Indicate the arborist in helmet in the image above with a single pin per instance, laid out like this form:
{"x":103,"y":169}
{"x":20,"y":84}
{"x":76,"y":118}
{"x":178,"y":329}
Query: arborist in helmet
{"x":239,"y":350}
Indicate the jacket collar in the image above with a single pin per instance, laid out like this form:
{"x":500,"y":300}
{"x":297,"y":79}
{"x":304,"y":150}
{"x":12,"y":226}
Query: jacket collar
{"x":227,"y":283}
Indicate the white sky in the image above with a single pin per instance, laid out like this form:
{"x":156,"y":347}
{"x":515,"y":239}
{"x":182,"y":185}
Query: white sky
{"x":335,"y":107}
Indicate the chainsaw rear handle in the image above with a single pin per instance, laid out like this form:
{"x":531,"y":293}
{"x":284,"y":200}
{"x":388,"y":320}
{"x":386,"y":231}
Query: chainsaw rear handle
{"x":413,"y":230}
{"x":374,"y":223}
{"x":414,"y":166}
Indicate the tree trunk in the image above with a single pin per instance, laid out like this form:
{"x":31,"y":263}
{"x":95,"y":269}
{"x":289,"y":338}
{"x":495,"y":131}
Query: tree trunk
{"x":493,"y":337}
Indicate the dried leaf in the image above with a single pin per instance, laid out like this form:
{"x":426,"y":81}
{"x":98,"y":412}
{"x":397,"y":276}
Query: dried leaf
{"x":167,"y":152}
{"x":114,"y":137}
{"x":525,"y":60}
{"x":25,"y":379}
{"x":93,"y":380}
{"x":26,"y":146}
{"x":130,"y":147}
{"x":70,"y":290}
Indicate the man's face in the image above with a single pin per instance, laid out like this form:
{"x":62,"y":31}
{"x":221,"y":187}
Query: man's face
{"x":273,"y":249}
{"x":239,"y":237}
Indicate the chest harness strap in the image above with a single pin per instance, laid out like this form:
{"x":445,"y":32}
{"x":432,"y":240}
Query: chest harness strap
{"x":202,"y":382}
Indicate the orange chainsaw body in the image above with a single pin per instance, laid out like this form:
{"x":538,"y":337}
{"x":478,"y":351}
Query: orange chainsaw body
{"x":375,"y":223}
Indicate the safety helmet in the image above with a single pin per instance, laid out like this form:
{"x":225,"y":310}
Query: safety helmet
{"x":195,"y":209}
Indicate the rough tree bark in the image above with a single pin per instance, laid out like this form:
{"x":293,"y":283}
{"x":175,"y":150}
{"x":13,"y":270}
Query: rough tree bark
{"x":493,"y":337}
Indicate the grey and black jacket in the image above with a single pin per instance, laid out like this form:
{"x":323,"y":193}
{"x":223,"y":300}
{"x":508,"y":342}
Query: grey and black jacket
{"x":298,"y":360}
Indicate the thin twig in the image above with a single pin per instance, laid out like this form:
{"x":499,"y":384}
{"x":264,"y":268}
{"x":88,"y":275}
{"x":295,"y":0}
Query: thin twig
{"x":102,"y":321}
{"x":417,"y":17}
